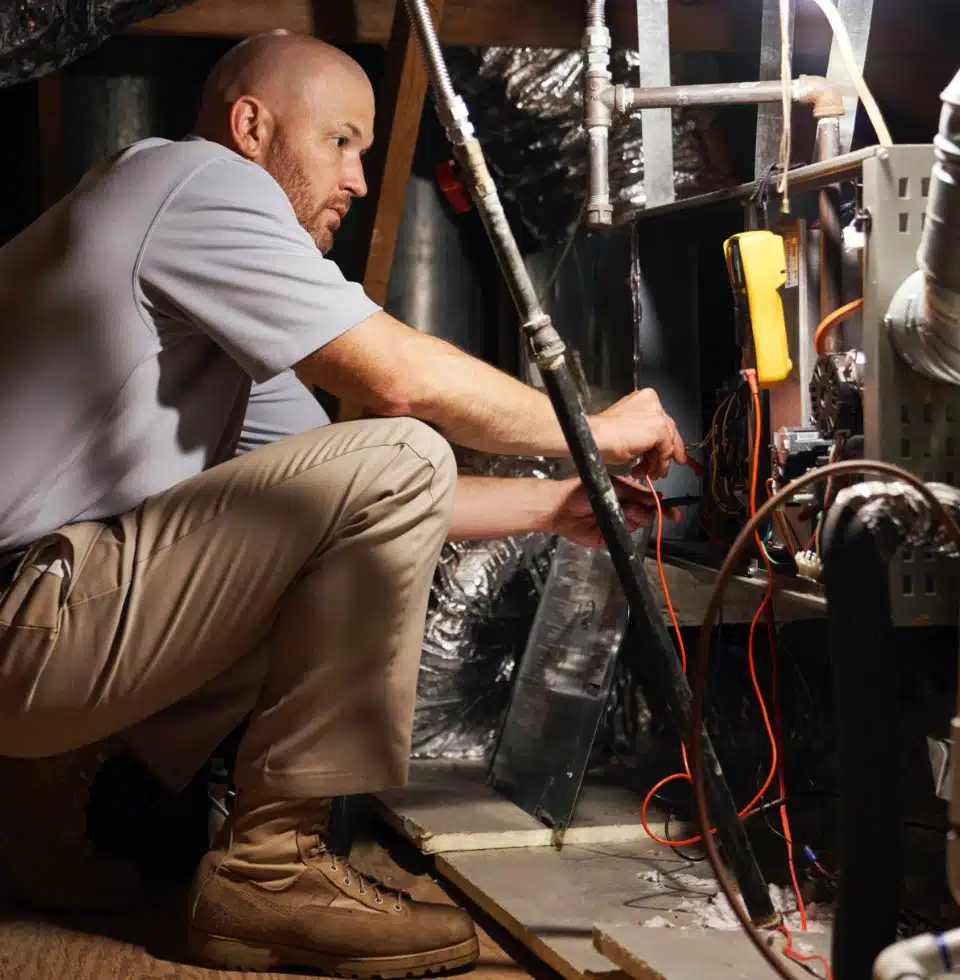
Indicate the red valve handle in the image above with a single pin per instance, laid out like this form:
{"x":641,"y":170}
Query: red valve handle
{"x":453,"y":187}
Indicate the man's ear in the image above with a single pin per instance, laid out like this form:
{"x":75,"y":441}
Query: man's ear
{"x":251,"y":126}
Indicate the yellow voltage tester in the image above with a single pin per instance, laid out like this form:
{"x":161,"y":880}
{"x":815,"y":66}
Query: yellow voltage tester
{"x":757,"y":267}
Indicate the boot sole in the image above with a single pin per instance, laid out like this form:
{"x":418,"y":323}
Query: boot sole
{"x":221,"y":952}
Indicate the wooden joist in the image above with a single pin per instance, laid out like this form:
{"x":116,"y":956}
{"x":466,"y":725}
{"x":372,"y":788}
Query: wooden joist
{"x":399,"y":109}
{"x":695,"y":25}
{"x":400,"y":100}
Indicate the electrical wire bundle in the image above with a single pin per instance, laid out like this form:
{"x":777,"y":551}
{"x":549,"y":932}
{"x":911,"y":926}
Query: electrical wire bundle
{"x":722,"y":509}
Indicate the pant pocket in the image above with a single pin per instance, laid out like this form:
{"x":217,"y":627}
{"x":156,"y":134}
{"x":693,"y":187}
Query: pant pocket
{"x":37,"y":595}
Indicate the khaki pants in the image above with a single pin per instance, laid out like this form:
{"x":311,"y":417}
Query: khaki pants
{"x":291,"y":582}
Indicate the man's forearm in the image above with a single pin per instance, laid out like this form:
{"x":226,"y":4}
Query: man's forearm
{"x":393,"y":369}
{"x":478,"y":406}
{"x":493,"y":507}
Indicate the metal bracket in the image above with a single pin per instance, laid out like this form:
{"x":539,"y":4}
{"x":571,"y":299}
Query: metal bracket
{"x":653,"y":42}
{"x":769,"y":115}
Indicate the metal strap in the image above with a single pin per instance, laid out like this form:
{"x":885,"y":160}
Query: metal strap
{"x":653,"y":40}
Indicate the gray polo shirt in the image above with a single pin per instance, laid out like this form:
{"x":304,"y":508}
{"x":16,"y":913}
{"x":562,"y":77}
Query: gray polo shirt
{"x":278,"y":408}
{"x":134,"y":316}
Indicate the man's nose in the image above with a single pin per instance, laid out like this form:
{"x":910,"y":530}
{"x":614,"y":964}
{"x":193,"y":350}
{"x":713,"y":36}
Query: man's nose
{"x":354,"y":181}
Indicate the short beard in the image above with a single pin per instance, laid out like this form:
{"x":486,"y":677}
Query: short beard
{"x":285,"y":169}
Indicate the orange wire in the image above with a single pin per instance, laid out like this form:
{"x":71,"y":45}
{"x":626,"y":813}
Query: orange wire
{"x":782,"y":783}
{"x":686,"y":774}
{"x":776,"y":760}
{"x":831,"y":320}
{"x":767,"y":596}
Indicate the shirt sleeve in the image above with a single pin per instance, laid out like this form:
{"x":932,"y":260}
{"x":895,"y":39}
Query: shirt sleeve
{"x":280,"y":407}
{"x":226,"y":256}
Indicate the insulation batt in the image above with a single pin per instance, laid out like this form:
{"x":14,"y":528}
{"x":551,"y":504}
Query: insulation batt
{"x":40,"y":36}
{"x":703,"y":905}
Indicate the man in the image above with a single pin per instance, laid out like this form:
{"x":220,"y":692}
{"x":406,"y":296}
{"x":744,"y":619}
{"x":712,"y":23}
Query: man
{"x":160,"y":587}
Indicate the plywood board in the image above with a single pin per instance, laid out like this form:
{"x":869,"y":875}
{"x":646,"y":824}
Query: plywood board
{"x":556,"y":901}
{"x":680,"y":954}
{"x":550,"y":900}
{"x":448,"y":807}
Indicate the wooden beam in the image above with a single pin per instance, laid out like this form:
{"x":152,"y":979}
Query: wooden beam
{"x":400,"y":98}
{"x":695,"y":25}
{"x":399,"y":111}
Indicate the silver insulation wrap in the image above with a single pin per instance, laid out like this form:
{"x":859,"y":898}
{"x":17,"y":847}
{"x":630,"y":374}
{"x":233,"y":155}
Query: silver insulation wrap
{"x":483,"y":601}
{"x":527,"y":107}
{"x":897,"y":514}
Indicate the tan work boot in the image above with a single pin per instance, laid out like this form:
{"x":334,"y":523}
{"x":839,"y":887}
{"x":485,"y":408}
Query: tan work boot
{"x":45,"y":856}
{"x":271,"y":895}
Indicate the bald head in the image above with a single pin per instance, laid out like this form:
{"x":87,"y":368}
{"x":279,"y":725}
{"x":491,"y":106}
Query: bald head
{"x":280,"y":69}
{"x":303,"y":110}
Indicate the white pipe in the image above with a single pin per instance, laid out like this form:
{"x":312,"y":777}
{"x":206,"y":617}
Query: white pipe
{"x":920,"y":957}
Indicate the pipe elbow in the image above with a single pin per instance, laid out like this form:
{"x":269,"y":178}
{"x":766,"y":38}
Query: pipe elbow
{"x":825,"y":98}
{"x":898,"y":963}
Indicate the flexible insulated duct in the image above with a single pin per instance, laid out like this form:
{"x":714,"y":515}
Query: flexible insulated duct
{"x":924,"y":315}
{"x":862,"y":652}
{"x":40,"y":36}
{"x":863,"y":529}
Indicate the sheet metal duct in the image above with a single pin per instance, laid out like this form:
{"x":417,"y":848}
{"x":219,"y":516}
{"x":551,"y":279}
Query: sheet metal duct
{"x":628,"y":306}
{"x":103,"y":114}
{"x":125,"y":91}
{"x":433,"y":285}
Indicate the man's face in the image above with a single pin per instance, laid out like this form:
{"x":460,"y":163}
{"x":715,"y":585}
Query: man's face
{"x":316,"y":154}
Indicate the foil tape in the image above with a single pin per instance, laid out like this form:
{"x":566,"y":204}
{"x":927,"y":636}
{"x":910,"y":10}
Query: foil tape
{"x":899,"y":515}
{"x":483,"y":601}
{"x":527,"y":106}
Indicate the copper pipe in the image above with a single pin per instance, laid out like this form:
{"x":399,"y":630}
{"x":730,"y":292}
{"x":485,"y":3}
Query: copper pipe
{"x":830,"y":245}
{"x":825,"y":97}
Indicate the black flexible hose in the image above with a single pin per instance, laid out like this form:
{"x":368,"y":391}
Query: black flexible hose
{"x":868,"y":715}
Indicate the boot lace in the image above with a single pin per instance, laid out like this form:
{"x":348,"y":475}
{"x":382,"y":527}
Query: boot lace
{"x":365,"y":882}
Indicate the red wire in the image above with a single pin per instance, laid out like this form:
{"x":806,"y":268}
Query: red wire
{"x":794,"y":954}
{"x":782,"y":783}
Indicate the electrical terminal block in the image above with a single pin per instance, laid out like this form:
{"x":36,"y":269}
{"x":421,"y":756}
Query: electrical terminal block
{"x":809,"y":565}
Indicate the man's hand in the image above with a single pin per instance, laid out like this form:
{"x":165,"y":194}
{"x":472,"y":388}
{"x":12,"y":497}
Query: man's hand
{"x":573,"y":518}
{"x":637,"y":430}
